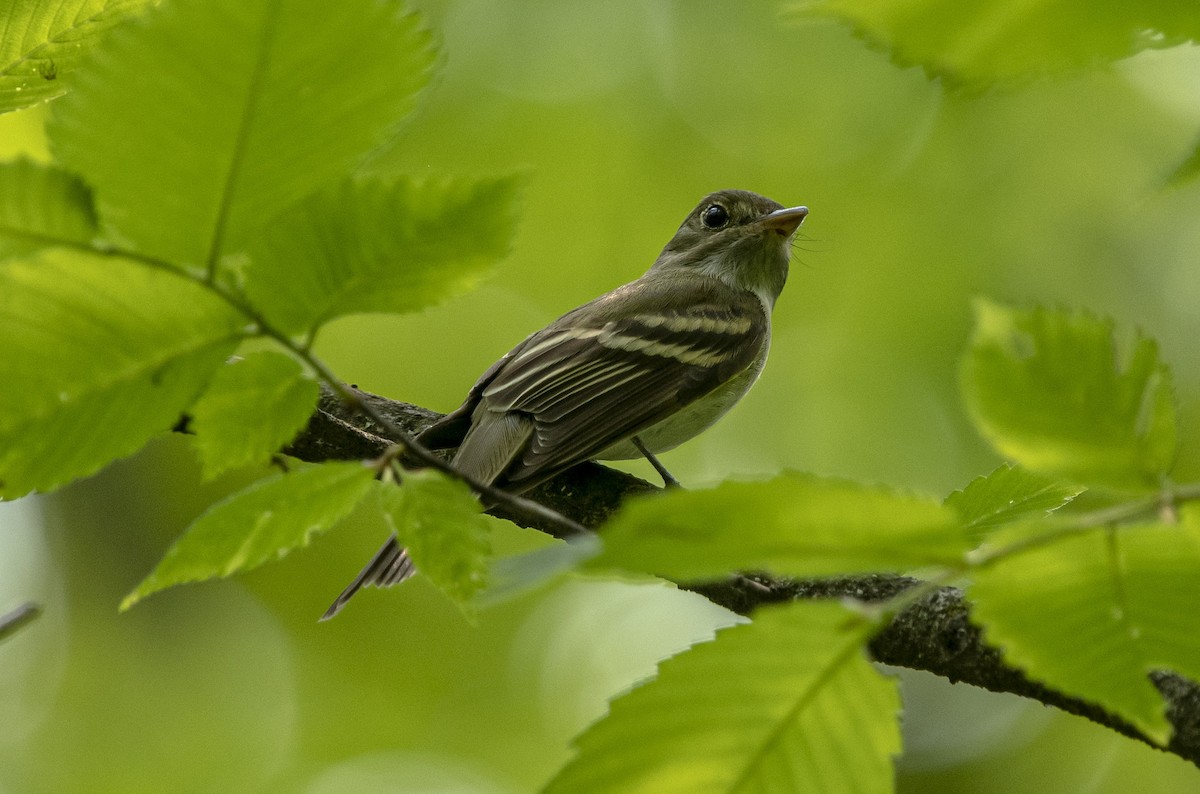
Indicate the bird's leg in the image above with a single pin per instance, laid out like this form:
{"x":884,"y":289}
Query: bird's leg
{"x":668,"y":480}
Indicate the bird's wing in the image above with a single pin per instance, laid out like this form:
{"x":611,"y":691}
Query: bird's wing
{"x":582,"y":389}
{"x":450,"y":430}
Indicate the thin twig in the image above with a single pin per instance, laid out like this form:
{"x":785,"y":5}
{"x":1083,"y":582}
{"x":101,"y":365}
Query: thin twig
{"x":18,"y":618}
{"x":545,"y":516}
{"x":552,"y":521}
{"x":1090,"y":521}
{"x":931,"y":632}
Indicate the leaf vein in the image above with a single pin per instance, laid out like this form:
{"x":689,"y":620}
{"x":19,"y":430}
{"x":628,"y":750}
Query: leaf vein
{"x":245,"y":123}
{"x":781,"y":727}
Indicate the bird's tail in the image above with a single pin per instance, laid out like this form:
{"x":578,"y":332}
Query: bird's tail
{"x":390,"y":565}
{"x":490,"y":446}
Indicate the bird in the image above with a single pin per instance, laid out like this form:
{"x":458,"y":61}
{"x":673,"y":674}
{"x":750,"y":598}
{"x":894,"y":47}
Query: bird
{"x":632,"y":373}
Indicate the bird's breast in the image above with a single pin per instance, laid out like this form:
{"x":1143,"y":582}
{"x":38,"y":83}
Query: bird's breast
{"x":694,"y":418}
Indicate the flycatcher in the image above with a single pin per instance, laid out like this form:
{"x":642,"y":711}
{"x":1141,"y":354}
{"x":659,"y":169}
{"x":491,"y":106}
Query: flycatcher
{"x":633,"y":373}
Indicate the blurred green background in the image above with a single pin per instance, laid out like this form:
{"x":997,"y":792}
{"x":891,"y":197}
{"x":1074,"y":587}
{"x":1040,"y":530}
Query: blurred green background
{"x":622,"y":115}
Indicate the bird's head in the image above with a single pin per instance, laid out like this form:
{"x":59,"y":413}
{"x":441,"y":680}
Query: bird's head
{"x":740,"y":237}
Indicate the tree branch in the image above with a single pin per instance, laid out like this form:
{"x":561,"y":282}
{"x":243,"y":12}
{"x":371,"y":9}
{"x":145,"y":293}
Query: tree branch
{"x":588,"y":493}
{"x":934,"y":634}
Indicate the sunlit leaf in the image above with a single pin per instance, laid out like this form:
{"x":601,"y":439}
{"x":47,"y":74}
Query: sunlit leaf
{"x":441,"y":524}
{"x":1050,"y":390}
{"x":252,"y":408}
{"x":979,"y":44}
{"x":1008,"y":494}
{"x":42,"y":206}
{"x":379,"y":246}
{"x":191,"y":146}
{"x":96,"y":356}
{"x":1092,"y":615}
{"x":786,"y":703}
{"x":796,"y":524}
{"x":259,"y":524}
{"x":44,"y":41}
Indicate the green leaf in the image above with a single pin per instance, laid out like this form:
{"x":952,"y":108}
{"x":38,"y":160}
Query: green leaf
{"x":43,"y":42}
{"x":252,"y":408}
{"x":378,"y":246}
{"x":99,"y":355}
{"x":260,"y":524}
{"x":1048,"y":389}
{"x":978,"y":44}
{"x":1092,"y":615}
{"x":441,"y":524}
{"x":228,"y":111}
{"x":1008,"y":494}
{"x":521,"y":573}
{"x":794,"y":525}
{"x":783,"y":704}
{"x":42,"y":206}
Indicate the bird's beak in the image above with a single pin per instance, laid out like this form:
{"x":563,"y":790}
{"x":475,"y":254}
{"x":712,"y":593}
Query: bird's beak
{"x":784,"y":221}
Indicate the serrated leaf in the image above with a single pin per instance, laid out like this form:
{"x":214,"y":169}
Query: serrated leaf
{"x":99,"y":355}
{"x":1008,"y":494}
{"x":794,"y":525}
{"x":42,"y":43}
{"x":228,"y":111}
{"x":251,"y":409}
{"x":372,"y":245}
{"x":259,"y":524}
{"x":42,"y":206}
{"x":521,"y":573}
{"x":783,"y":704}
{"x":441,"y":524}
{"x":979,"y":44}
{"x":1122,"y":603}
{"x":1048,"y":389}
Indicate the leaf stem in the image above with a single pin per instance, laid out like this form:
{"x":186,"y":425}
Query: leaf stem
{"x":1167,"y":500}
{"x":1103,"y":518}
{"x":556,"y":523}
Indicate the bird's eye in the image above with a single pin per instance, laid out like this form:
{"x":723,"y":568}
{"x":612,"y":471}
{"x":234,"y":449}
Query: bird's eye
{"x":714,"y":216}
